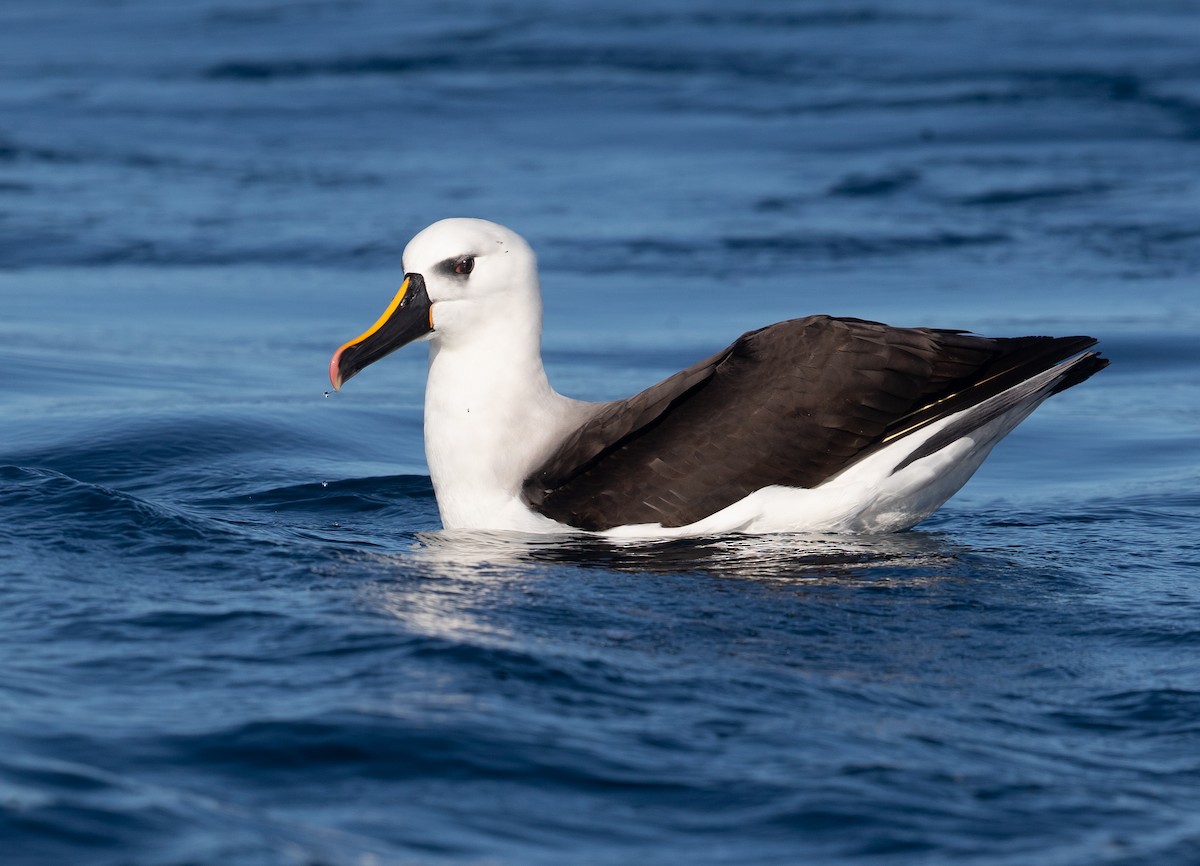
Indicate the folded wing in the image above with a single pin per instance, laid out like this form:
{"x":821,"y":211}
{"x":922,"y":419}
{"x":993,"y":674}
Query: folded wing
{"x":791,"y":404}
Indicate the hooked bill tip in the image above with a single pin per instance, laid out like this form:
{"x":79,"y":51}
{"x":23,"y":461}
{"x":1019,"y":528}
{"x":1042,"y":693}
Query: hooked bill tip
{"x":335,"y":377}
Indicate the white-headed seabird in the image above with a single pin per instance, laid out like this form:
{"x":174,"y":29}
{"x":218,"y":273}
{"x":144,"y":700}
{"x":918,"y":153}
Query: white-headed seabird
{"x":818,"y":424}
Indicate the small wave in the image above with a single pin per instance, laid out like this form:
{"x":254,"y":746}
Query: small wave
{"x":61,"y":811}
{"x":593,"y":680}
{"x":160,"y":451}
{"x":379,"y":515}
{"x":354,"y":495}
{"x":1049,"y":192}
{"x":999,"y":88}
{"x":1148,"y":712}
{"x":1169,"y":245}
{"x":757,"y":19}
{"x":867,"y":185}
{"x":244,"y":171}
{"x":75,"y":516}
{"x":363,"y":745}
{"x":856,"y":246}
{"x":66,"y":249}
{"x":706,"y":255}
{"x":52,"y":506}
{"x":264,"y":70}
{"x":852,"y":16}
{"x":15,"y":151}
{"x":61,"y":806}
{"x":200,"y":620}
{"x":624,"y":59}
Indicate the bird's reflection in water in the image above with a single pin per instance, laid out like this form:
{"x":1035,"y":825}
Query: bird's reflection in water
{"x":786,"y":557}
{"x":499,"y":590}
{"x":495,"y":590}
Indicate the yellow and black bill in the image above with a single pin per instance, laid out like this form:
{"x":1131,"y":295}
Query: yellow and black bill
{"x":408,"y":317}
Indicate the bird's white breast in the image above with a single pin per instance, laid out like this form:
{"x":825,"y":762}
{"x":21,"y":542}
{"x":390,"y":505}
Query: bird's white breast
{"x":490,"y":420}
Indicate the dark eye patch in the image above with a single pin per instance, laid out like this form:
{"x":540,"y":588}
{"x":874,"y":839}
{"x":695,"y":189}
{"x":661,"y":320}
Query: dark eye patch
{"x":459,"y":266}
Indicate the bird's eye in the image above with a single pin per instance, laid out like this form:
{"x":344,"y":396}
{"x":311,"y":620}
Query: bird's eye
{"x":464,"y":265}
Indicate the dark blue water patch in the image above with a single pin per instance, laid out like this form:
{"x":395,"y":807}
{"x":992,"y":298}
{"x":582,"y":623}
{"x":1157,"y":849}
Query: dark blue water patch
{"x":63,"y":247}
{"x":147,"y":158}
{"x":154,"y":251}
{"x":156,"y":450}
{"x":1140,"y":714}
{"x":59,"y":811}
{"x":1012,"y":87}
{"x":379,"y":513}
{"x":46,"y":500}
{"x":218,"y":626}
{"x":19,"y":151}
{"x":247,"y":70}
{"x":73,"y":517}
{"x":374,"y":747}
{"x":1149,"y":510}
{"x":651,"y":61}
{"x":1106,"y":108}
{"x":1118,"y":87}
{"x":1025,"y":195}
{"x":517,"y":44}
{"x":803,"y":245}
{"x":350,"y":495}
{"x":856,"y":185}
{"x":1169,"y":246}
{"x":831,"y":17}
{"x":14,"y":151}
{"x":76,"y":821}
{"x":838,"y":247}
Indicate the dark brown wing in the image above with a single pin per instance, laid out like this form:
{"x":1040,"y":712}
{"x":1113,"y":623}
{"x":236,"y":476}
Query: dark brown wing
{"x":791,"y":404}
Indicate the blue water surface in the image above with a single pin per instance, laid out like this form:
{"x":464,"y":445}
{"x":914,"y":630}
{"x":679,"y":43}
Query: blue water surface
{"x":230,"y":630}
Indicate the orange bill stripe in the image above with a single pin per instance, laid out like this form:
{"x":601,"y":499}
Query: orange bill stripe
{"x":387,"y":314}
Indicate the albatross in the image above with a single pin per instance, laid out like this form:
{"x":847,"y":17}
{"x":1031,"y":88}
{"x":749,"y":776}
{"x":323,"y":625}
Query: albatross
{"x":817,"y":424}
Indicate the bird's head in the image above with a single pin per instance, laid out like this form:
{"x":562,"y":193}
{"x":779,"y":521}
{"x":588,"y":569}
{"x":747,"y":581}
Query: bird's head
{"x":465,"y":279}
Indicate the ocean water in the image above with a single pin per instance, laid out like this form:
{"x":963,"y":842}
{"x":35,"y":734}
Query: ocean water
{"x":230,"y":630}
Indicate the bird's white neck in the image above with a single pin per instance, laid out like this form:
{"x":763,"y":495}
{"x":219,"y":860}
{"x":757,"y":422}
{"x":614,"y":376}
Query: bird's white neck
{"x":490,"y":418}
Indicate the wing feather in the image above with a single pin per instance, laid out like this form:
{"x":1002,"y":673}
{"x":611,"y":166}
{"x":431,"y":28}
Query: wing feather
{"x":791,"y":404}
